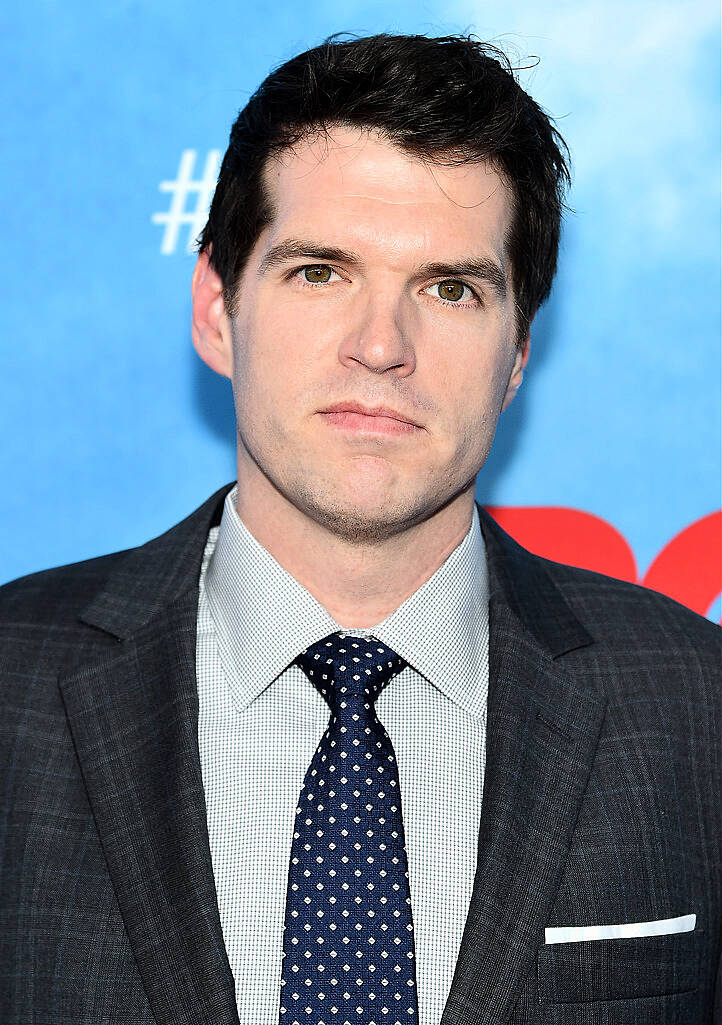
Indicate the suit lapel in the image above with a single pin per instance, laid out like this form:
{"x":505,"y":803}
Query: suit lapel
{"x":133,"y":717}
{"x":542,"y":735}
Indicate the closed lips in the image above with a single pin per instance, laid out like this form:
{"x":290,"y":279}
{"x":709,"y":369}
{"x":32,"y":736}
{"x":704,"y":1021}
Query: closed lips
{"x":355,"y":407}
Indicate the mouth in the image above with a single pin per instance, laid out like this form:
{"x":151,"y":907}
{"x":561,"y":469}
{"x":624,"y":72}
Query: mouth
{"x":362,"y":423}
{"x":353,"y":416}
{"x":385,"y":412}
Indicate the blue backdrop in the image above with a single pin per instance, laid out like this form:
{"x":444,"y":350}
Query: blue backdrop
{"x":114,"y":120}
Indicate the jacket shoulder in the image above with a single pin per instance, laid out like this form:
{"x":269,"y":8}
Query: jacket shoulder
{"x":55,"y":596}
{"x":617,"y":610}
{"x":41,"y":632}
{"x":632,"y":622}
{"x":136,"y":579}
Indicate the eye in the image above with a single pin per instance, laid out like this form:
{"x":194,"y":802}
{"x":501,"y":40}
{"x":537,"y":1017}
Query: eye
{"x":317,"y":273}
{"x":453,"y":291}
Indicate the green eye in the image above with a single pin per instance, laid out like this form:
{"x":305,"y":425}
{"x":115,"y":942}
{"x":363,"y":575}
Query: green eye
{"x":451,"y":290}
{"x":317,"y":275}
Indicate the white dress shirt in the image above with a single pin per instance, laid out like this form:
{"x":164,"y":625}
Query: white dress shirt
{"x":261,"y":720}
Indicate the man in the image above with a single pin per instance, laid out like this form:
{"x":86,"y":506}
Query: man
{"x":243,"y":765}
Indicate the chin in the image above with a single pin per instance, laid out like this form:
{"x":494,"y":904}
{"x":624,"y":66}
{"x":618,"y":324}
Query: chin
{"x":359,"y":518}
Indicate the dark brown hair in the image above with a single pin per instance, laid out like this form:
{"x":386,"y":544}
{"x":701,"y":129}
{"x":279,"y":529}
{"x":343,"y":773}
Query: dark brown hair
{"x":451,"y":99}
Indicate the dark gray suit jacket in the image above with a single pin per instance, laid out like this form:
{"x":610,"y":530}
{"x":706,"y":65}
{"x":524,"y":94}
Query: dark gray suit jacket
{"x":601,"y":802}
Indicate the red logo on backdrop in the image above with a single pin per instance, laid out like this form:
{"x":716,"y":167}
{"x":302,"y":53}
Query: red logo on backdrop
{"x":688,"y":569}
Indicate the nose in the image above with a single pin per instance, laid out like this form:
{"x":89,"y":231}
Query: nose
{"x":379,"y":338}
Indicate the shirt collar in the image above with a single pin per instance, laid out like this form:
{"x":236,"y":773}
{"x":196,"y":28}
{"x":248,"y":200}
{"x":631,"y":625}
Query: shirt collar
{"x":264,"y":617}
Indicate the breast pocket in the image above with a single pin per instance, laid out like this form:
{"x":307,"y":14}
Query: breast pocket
{"x":618,"y":969}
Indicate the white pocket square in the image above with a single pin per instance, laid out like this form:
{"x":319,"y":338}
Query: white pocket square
{"x":662,"y":927}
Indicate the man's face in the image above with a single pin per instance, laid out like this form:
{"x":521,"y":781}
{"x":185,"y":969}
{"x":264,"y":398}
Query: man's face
{"x":381,"y":281}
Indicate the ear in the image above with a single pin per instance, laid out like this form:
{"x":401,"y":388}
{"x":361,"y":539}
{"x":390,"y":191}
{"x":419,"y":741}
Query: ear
{"x":520,"y":361}
{"x":210,"y":325}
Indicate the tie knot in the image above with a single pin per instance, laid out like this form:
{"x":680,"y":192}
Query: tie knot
{"x":339,"y":665}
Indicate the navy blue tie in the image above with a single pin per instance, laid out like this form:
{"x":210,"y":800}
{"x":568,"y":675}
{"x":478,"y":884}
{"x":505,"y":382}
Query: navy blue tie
{"x":348,"y":941}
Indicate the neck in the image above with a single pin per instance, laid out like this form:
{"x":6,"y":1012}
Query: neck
{"x":358,"y":583}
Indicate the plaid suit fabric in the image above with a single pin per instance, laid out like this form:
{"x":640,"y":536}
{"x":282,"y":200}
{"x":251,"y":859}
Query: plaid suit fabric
{"x":601,"y":799}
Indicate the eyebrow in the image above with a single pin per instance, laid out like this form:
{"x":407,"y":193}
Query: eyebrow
{"x":474,"y":267}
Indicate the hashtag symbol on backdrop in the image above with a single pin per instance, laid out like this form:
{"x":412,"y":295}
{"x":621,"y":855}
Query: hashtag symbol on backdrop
{"x":183,"y":189}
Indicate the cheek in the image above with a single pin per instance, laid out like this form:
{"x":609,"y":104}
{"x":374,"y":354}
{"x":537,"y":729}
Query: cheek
{"x":289,"y":344}
{"x":471,"y":390}
{"x":474,"y":385}
{"x":276,"y":367}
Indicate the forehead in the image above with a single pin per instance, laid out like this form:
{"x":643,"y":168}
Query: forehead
{"x":354,"y":182}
